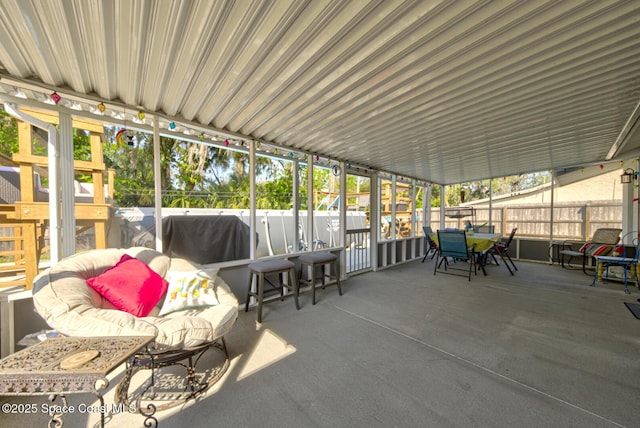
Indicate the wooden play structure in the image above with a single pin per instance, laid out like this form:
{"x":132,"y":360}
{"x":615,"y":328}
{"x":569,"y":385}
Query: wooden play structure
{"x":25,"y":220}
{"x":356,"y":201}
{"x":403,"y":211}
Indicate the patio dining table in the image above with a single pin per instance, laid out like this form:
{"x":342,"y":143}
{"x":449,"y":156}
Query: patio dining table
{"x":481,"y":243}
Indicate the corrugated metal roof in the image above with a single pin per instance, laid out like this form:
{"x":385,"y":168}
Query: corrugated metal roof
{"x":440,"y":91}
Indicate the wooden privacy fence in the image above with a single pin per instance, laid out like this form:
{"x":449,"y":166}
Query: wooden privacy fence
{"x":575,"y":221}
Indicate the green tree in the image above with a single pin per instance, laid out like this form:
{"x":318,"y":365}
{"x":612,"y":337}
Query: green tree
{"x":133,"y":165}
{"x":8,"y":133}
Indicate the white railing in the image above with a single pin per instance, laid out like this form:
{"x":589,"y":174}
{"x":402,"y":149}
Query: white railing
{"x":358,"y":250}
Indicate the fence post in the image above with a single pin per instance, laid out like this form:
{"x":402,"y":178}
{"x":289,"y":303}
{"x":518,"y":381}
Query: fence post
{"x":586,"y":222}
{"x":503,"y":221}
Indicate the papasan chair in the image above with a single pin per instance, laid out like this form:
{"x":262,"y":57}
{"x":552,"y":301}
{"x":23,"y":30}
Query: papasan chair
{"x":186,"y":308}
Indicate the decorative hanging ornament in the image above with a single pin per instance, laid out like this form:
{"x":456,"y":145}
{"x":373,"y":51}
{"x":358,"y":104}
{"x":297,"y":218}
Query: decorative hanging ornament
{"x":55,"y":97}
{"x":201,"y":136}
{"x":275,"y":151}
{"x":601,"y":166}
{"x":317,"y":158}
{"x":102,"y":107}
{"x":121,"y":136}
{"x":336,"y":170}
{"x":172,"y":125}
{"x":141,"y":115}
{"x":226,"y":143}
{"x":291,"y":155}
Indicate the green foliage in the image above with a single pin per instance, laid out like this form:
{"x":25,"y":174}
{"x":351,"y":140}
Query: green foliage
{"x":277,"y":193}
{"x":8,"y":133}
{"x":134,"y":169}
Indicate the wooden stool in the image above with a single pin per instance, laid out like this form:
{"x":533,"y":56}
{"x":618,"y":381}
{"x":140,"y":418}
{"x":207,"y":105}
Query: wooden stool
{"x":260,"y":269}
{"x":322,"y":259}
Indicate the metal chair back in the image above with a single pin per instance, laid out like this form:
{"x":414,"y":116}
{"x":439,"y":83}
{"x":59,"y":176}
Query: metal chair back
{"x":511,"y":235}
{"x":453,"y":244}
{"x":432,"y":247}
{"x":427,"y":235}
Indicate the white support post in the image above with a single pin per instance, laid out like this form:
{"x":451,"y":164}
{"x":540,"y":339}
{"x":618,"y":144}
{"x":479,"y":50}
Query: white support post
{"x":67,"y":187}
{"x":443,"y":202}
{"x":392,"y":226}
{"x":636,"y":181}
{"x":374,"y":219}
{"x":491,"y":202}
{"x":343,"y":219}
{"x":552,"y":202}
{"x":157,"y":183}
{"x":296,"y":206}
{"x":628,"y":211}
{"x":427,"y":205}
{"x":252,"y":204}
{"x":310,"y":202}
{"x":413,"y":252}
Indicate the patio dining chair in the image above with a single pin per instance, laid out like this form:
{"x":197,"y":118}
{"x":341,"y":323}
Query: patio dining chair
{"x":502,"y":250}
{"x":453,"y":245}
{"x":432,"y":247}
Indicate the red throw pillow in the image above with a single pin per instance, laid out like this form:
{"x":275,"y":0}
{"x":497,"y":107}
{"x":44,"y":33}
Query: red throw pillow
{"x":130,"y":286}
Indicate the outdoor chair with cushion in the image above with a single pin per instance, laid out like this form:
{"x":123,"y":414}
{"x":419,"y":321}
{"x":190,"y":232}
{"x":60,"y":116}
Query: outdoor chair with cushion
{"x":601,"y":244}
{"x":453,"y":245}
{"x":185,"y":307}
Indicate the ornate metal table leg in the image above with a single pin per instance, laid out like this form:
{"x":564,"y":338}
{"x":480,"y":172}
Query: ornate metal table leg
{"x":55,"y":412}
{"x":147,"y":411}
{"x":144,"y":359}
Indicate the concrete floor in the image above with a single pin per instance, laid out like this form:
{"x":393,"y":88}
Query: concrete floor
{"x":405,"y":348}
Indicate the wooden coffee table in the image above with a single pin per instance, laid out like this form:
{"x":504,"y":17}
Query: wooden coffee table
{"x":37,"y":370}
